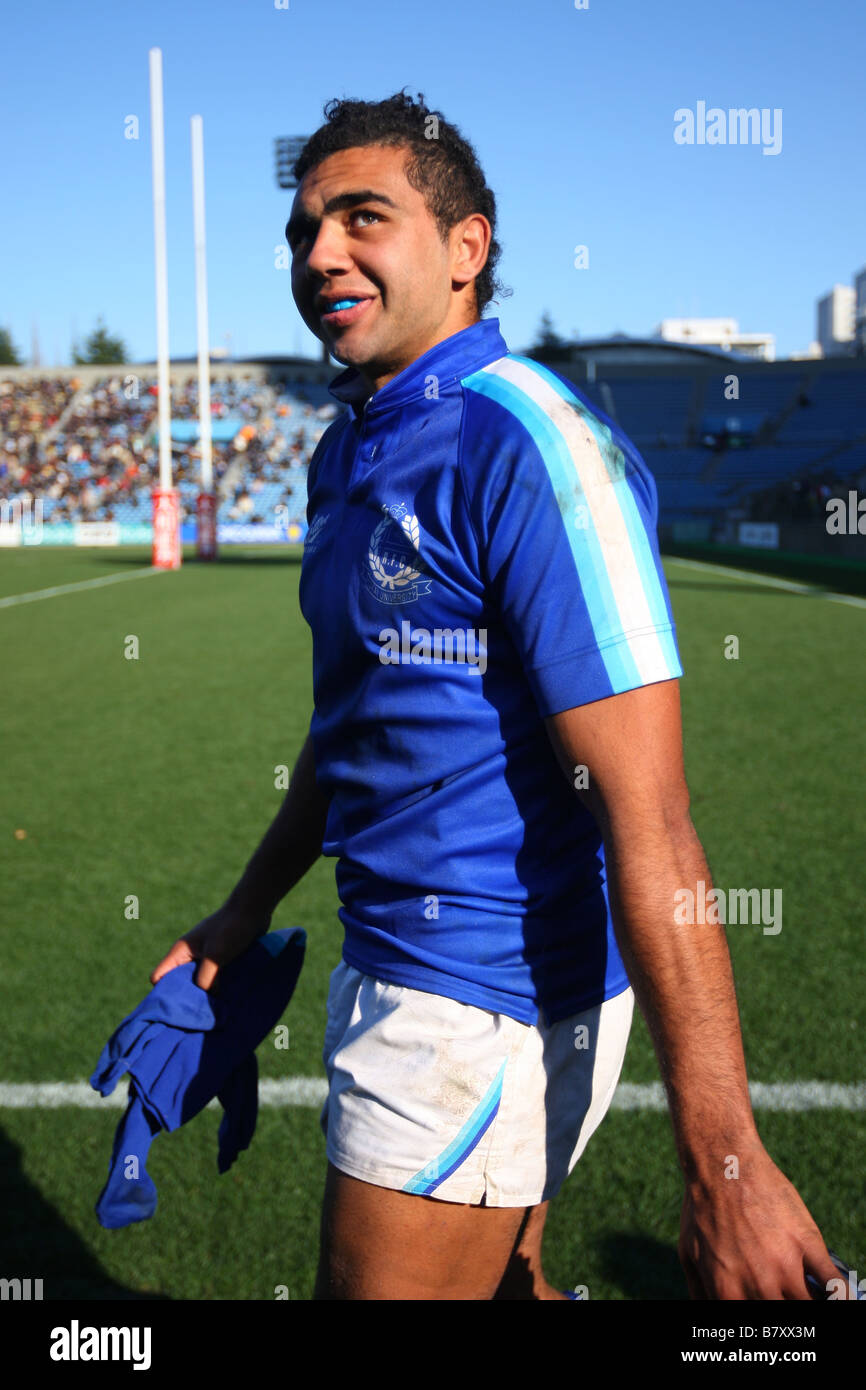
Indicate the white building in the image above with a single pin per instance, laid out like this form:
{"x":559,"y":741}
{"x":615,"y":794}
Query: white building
{"x":835,"y":331}
{"x":718,"y":333}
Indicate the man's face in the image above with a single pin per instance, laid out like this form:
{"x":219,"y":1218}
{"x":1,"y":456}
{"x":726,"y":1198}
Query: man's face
{"x":359,"y":230}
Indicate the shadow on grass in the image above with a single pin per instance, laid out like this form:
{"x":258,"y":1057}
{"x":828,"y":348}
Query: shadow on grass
{"x":643,"y":1268}
{"x":227,"y":557}
{"x":38,"y":1244}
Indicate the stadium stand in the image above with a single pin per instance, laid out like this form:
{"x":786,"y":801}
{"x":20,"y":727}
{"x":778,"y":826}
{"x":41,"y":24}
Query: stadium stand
{"x":90,"y":452}
{"x":794,"y":436}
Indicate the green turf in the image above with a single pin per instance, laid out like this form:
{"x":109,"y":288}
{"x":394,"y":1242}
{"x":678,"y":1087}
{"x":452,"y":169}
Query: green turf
{"x":155,"y":778}
{"x":830,"y":572}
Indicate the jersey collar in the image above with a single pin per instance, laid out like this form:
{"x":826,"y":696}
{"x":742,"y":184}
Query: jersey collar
{"x":464,"y":352}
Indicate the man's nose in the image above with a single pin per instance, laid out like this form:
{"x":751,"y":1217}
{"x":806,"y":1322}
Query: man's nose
{"x":328,"y":252}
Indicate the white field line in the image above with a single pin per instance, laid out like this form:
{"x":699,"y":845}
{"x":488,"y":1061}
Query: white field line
{"x":14,"y":599}
{"x":310,"y":1091}
{"x":778,"y":1095}
{"x":808,"y":589}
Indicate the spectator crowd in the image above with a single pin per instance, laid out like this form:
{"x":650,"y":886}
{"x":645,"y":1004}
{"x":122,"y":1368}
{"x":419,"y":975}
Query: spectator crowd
{"x":92,"y":453}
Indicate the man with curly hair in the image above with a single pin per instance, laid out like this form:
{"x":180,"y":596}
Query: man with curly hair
{"x":495,"y":760}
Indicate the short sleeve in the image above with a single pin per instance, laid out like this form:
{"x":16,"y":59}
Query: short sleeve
{"x":564,"y":511}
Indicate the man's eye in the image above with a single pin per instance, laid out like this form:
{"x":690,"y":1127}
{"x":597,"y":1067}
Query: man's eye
{"x":300,"y":237}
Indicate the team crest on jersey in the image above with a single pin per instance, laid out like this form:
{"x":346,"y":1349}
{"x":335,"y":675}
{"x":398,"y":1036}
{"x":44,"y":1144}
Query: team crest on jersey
{"x":314,"y":535}
{"x":394,"y":570}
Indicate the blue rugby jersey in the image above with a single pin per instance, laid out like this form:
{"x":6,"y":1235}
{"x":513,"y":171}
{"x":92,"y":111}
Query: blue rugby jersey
{"x":481,"y":554}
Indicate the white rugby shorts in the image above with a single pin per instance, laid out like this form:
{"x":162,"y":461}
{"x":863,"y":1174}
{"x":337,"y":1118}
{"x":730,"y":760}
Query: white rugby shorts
{"x":432,"y":1096}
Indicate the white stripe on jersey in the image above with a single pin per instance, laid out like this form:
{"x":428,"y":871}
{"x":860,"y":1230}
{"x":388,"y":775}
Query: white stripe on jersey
{"x":602,"y":498}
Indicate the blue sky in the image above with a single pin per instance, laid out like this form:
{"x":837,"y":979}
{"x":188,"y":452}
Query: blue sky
{"x":571,"y":113}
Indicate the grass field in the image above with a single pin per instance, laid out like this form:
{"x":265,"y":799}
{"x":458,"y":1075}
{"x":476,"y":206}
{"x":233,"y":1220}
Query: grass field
{"x":155,"y":777}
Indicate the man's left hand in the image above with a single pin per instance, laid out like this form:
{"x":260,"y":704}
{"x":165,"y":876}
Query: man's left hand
{"x":750,"y":1236}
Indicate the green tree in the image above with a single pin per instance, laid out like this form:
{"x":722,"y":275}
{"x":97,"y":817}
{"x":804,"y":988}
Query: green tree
{"x":547,"y":336}
{"x":100,"y":348}
{"x":9,"y":356}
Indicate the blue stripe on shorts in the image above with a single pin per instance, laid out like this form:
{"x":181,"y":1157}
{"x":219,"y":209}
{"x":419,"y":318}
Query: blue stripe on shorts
{"x":438,"y":1169}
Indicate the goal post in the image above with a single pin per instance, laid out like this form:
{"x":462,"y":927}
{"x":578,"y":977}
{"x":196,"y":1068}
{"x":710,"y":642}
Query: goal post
{"x":166,"y":501}
{"x":206,"y":532}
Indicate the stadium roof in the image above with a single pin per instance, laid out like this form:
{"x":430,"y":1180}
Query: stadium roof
{"x":620,"y":348}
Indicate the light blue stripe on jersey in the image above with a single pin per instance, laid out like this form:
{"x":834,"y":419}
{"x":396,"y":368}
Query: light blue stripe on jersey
{"x":584,"y":542}
{"x":450,"y":1159}
{"x":651,"y":583}
{"x":636,"y":530}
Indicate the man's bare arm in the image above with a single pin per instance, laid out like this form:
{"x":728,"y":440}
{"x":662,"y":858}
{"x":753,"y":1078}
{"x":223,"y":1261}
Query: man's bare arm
{"x":749,"y":1237}
{"x":290,"y":847}
{"x":292,"y":844}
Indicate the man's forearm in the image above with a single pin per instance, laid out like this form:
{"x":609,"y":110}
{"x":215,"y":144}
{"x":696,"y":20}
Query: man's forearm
{"x":681,"y":975}
{"x":291,"y":845}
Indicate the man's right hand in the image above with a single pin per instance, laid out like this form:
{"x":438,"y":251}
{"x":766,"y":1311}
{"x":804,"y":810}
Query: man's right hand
{"x":214,"y":942}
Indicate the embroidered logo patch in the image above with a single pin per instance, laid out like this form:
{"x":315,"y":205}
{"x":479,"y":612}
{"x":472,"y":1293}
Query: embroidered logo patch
{"x":394,"y":570}
{"x":313,"y":537}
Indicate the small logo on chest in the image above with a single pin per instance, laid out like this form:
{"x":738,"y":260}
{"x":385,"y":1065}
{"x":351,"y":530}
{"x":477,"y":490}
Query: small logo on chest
{"x":314,"y":535}
{"x":394,"y":572}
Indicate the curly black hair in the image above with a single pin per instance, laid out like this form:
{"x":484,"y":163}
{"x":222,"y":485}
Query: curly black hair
{"x":442,"y":165}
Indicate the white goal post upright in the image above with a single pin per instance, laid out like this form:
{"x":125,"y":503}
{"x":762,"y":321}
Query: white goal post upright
{"x":166,"y":509}
{"x":206,"y":534}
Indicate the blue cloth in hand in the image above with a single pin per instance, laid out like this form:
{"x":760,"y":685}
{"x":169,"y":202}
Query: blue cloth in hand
{"x":181,"y":1047}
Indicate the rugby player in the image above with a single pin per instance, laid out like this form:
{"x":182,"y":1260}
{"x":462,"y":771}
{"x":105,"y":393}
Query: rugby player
{"x":495,"y":760}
